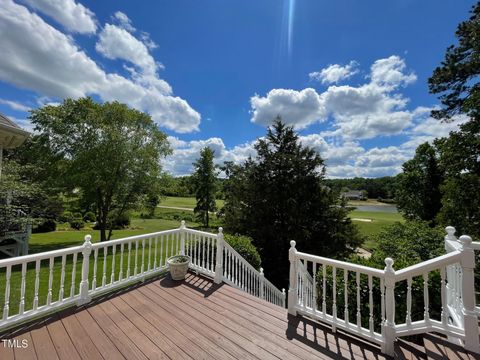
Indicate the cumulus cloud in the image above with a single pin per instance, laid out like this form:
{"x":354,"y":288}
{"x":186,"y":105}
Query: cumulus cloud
{"x":334,"y":73}
{"x":73,"y":16}
{"x":299,"y":108}
{"x":38,"y":57}
{"x":124,"y":21}
{"x":358,"y":112}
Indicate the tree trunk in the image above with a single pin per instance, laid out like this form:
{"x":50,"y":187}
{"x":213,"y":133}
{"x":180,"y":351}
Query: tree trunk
{"x":206,"y":217}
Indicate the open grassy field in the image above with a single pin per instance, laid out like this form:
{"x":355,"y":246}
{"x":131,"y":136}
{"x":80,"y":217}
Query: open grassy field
{"x":184,"y":202}
{"x":377,"y":221}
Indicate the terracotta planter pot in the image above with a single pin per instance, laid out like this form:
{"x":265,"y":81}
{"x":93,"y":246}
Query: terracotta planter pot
{"x":178,"y":270}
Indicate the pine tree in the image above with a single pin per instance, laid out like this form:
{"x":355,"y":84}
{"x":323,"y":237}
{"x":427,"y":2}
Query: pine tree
{"x":205,"y":179}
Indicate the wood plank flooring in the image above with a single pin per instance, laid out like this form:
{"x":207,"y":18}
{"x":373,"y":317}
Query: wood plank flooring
{"x":196,"y":319}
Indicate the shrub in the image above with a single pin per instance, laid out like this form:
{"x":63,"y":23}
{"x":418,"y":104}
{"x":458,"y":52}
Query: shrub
{"x":77,"y":215}
{"x":243,"y":245}
{"x":46,"y":226}
{"x":66,"y":216}
{"x":121,"y":221}
{"x":89,"y":217}
{"x":77,"y":224}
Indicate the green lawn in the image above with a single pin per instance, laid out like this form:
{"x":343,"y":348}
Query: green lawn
{"x":378,"y":221}
{"x":185,"y":202}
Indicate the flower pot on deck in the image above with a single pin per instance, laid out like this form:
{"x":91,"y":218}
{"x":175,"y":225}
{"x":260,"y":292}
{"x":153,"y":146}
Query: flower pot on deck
{"x":178,"y":266}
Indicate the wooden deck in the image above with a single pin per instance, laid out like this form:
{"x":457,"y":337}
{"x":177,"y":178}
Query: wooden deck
{"x":195,"y":319}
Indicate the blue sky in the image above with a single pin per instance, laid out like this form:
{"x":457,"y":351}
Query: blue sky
{"x":351,"y":76}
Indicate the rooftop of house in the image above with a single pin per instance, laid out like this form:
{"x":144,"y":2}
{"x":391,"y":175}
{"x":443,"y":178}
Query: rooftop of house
{"x":197,"y":319}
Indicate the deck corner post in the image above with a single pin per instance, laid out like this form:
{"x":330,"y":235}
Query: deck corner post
{"x":219,"y":257}
{"x":388,"y":345}
{"x":292,"y":287}
{"x":470,"y":319}
{"x":182,"y":237}
{"x":262,"y":284}
{"x":87,"y":250}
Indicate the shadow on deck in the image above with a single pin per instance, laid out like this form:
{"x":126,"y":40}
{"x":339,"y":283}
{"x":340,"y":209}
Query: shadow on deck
{"x":195,"y":319}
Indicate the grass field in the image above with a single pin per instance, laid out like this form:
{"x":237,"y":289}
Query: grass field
{"x":378,"y":221}
{"x":184,"y":202}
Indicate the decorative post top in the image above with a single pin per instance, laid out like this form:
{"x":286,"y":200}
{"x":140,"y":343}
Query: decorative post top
{"x":182,"y":224}
{"x":261,"y":271}
{"x":283,"y":291}
{"x":220,"y":230}
{"x":450,"y":232}
{"x":292,"y":244}
{"x":466,"y":242}
{"x":389,"y":265}
{"x":87,"y":245}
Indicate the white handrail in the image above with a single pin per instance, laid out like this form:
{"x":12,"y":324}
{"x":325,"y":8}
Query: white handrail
{"x":457,"y":319}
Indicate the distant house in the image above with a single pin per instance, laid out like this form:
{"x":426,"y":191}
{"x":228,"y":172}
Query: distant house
{"x":355,"y":195}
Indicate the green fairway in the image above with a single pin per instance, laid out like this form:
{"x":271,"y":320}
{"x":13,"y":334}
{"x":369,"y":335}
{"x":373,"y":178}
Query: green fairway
{"x":184,"y":202}
{"x":375,"y":222}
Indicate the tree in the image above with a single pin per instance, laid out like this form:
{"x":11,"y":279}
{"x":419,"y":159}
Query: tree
{"x":418,"y":194}
{"x":107,"y":153}
{"x":280,"y":196}
{"x":456,"y":81}
{"x":205,"y":179}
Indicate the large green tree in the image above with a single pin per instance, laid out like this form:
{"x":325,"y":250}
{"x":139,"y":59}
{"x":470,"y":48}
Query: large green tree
{"x":279,"y":196}
{"x":456,"y":81}
{"x":205,"y":185}
{"x":418,"y":193}
{"x":108,"y":153}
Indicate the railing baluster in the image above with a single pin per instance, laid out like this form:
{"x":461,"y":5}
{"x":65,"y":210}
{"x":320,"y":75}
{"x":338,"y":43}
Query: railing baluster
{"x":112,"y":275}
{"x":128,"y":259}
{"x":443,"y":296}
{"x":334,"y":290}
{"x":62,"y":279}
{"x":142,"y":268}
{"x":6,"y":306}
{"x":74,"y":271}
{"x":120,"y":274}
{"x":135,"y":266}
{"x":370,"y":303}
{"x":314,"y":265}
{"x":37,"y":284}
{"x":104,"y":275}
{"x":95,"y":259}
{"x":209,"y":266}
{"x":304,"y":292}
{"x":324,"y":278}
{"x":50,"y":280}
{"x":21,"y":305}
{"x":156,"y":253}
{"x":149,"y":253}
{"x":426,"y":313}
{"x":203,"y":252}
{"x":408,"y":319}
{"x":345,"y":284}
{"x":171,"y":245}
{"x":382,"y":304}
{"x":359,"y":315}
{"x":162,"y":239}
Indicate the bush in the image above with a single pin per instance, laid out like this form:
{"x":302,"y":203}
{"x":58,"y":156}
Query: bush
{"x":243,"y":245}
{"x":121,"y":221}
{"x":89,"y":217}
{"x":66,"y":216}
{"x":77,"y":215}
{"x":46,"y":226}
{"x":77,"y":224}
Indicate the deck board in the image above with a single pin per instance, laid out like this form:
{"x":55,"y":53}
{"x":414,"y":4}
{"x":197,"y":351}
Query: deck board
{"x":196,"y":319}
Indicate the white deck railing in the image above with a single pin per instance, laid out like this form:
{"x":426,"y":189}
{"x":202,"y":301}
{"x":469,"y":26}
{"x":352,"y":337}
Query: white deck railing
{"x":37,"y":284}
{"x":367,"y":296}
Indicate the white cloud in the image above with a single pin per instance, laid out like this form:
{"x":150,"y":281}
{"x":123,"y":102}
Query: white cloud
{"x":299,"y":108}
{"x":373,"y":109}
{"x":38,"y":57}
{"x":124,"y":21}
{"x":335,"y":73}
{"x":14,"y":105}
{"x":74,"y":16}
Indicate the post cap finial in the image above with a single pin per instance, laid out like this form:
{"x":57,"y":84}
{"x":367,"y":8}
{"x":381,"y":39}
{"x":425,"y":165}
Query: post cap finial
{"x":182,"y":223}
{"x":389,"y":262}
{"x":261,"y":271}
{"x":88,"y":238}
{"x":220,"y":230}
{"x":283,"y":291}
{"x":465,"y":240}
{"x":293,"y":243}
{"x":450,"y":231}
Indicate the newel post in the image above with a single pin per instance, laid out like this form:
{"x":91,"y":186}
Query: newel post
{"x":389,"y":325}
{"x":87,"y":249}
{"x":182,"y":237}
{"x":219,"y":257}
{"x":262,"y":284}
{"x":470,"y":319}
{"x":292,"y":287}
{"x":450,"y":230}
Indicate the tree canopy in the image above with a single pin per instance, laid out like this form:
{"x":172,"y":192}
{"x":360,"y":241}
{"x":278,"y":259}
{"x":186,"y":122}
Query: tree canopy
{"x":108,"y":153}
{"x":279,"y":196}
{"x":205,"y":184}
